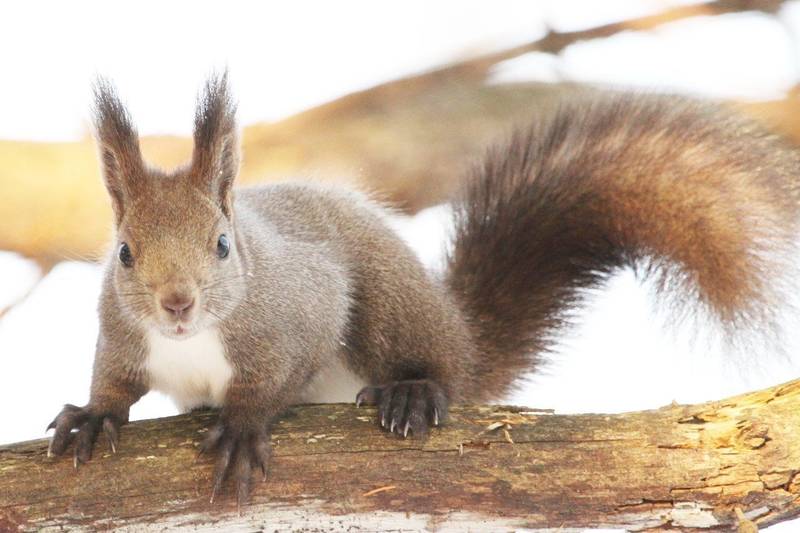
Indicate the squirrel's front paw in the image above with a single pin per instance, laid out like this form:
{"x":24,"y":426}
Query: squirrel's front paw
{"x":239,"y":451}
{"x":407,"y":406}
{"x":88,"y":425}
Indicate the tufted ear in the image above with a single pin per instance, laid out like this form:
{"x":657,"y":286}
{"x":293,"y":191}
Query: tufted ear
{"x":215,"y":160}
{"x":120,"y":158}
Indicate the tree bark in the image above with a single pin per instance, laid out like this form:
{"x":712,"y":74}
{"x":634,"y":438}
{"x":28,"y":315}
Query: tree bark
{"x":491,"y":468}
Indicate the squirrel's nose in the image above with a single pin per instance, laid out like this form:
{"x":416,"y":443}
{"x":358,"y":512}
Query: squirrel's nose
{"x":177,"y":304}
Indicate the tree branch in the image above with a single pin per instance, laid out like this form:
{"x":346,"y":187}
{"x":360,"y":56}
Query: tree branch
{"x":410,"y":139}
{"x":686,"y":467}
{"x":554,"y":42}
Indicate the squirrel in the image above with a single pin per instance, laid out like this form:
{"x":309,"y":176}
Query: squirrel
{"x":252,"y":299}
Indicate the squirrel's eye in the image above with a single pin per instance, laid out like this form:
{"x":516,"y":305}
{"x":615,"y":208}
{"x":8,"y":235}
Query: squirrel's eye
{"x":125,"y":256}
{"x":223,"y":247}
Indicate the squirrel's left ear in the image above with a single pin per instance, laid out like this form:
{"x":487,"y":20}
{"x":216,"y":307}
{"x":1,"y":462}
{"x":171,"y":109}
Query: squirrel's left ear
{"x":215,"y":160}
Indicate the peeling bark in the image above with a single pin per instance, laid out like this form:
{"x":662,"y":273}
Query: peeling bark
{"x":491,"y":468}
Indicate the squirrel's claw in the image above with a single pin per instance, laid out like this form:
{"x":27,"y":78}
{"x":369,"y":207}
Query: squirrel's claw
{"x":262,"y":452}
{"x":368,"y":396}
{"x":243,"y":470}
{"x":111,"y":431}
{"x":224,"y":453}
{"x":85,"y":439}
{"x":69,"y":418}
{"x":405,"y":407}
{"x":212,"y":439}
{"x":88,"y":425}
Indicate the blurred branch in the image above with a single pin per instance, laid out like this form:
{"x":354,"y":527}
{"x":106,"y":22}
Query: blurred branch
{"x":410,"y":140}
{"x":702,"y":467}
{"x":44,"y":268}
{"x":554,"y":42}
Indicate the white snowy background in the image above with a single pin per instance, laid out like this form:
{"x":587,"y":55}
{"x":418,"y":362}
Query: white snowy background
{"x":284,"y":58}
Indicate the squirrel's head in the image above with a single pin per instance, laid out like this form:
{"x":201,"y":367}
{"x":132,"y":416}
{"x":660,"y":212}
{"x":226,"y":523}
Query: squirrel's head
{"x":176,"y":264}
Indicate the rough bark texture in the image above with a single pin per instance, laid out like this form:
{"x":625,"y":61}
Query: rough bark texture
{"x":492,"y":468}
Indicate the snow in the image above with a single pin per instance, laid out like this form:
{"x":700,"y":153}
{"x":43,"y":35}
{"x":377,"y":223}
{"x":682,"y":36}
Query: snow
{"x":283,"y":56}
{"x":19,"y":275}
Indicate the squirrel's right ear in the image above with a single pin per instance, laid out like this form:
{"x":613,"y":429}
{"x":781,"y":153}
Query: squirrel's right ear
{"x":118,"y":142}
{"x":215,"y":160}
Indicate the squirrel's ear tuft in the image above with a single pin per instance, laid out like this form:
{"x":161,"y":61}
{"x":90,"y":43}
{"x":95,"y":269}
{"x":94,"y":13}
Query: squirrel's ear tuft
{"x":118,"y":142}
{"x":215,"y":160}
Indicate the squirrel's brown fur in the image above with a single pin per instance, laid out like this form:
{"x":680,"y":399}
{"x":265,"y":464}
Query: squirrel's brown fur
{"x":685,"y":191}
{"x":314,"y":277}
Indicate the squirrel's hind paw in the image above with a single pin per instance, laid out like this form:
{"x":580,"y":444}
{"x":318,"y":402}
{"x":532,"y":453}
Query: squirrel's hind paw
{"x":239,"y":452}
{"x":407,"y":407}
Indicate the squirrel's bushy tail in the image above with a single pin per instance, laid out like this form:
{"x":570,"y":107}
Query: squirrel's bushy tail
{"x":701,"y":200}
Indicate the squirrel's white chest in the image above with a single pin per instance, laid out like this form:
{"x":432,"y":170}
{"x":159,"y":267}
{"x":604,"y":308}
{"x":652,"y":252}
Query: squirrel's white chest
{"x":193,"y":372}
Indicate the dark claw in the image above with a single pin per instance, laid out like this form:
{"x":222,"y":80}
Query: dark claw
{"x":407,"y":406}
{"x":384,"y":407}
{"x":224,"y":451}
{"x":212,"y":439}
{"x":70,"y":417}
{"x":111,"y":430}
{"x":262,"y":452}
{"x":399,"y":403}
{"x":244,"y":470}
{"x":88,"y":425}
{"x":368,"y":396}
{"x":84,"y":441}
{"x":418,"y":413}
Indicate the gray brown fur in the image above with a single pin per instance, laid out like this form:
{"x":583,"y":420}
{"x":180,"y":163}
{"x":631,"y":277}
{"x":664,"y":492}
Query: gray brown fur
{"x":315,"y":274}
{"x":689,"y":193}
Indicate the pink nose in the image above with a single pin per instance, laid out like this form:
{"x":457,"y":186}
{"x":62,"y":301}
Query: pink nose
{"x":177,"y":304}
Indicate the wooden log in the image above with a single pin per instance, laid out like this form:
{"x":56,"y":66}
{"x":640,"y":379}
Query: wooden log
{"x":491,"y":468}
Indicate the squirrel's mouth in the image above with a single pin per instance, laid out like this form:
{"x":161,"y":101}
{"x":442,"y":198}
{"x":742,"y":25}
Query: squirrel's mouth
{"x":183,"y":330}
{"x":178,"y":330}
